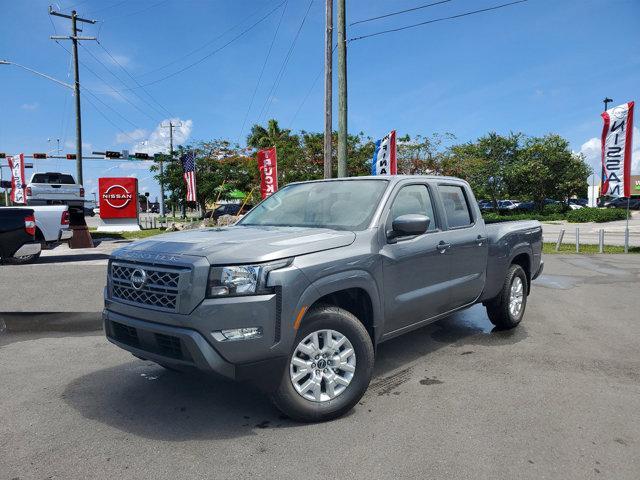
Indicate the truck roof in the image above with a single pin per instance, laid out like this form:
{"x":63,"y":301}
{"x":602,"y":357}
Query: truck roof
{"x":389,"y":178}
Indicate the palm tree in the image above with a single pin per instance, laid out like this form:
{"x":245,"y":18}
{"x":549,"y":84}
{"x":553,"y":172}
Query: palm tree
{"x":261,"y":137}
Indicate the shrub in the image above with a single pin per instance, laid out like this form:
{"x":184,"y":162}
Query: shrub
{"x":491,"y":217}
{"x":598,"y":215}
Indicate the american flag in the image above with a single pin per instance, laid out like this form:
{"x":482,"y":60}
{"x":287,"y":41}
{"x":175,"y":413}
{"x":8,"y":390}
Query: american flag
{"x":189,"y":168}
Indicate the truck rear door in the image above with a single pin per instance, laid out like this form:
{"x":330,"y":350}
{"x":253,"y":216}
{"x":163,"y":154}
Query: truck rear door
{"x":468,"y":248}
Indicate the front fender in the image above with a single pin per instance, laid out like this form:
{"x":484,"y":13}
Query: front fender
{"x":344,"y":281}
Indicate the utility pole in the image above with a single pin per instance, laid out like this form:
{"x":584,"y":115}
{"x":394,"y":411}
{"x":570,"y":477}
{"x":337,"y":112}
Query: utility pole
{"x":328,"y":88}
{"x":76,"y":85}
{"x":171,"y":126}
{"x":342,"y":90}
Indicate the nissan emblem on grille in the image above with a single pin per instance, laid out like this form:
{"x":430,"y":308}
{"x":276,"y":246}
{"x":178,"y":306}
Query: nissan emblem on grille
{"x":155,"y":286}
{"x":138,"y":278}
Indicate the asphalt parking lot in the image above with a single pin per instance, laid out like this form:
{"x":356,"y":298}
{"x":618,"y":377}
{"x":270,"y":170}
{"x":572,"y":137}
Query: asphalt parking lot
{"x":558,"y":397}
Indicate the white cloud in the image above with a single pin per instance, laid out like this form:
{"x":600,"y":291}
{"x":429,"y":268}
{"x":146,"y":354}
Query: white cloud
{"x":592,"y":151}
{"x":71,"y":145}
{"x":133,"y":135}
{"x":158,"y":140}
{"x":29,"y":106}
{"x":116,"y":58}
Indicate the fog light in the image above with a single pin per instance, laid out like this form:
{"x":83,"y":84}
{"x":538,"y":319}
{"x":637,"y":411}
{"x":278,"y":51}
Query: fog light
{"x":241,"y":333}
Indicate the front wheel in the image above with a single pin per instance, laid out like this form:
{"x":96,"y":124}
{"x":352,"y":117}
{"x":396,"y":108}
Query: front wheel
{"x":23,"y":260}
{"x":329,"y":367}
{"x":507,"y":309}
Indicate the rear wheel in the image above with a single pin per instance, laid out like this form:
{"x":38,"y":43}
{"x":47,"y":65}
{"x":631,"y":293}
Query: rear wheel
{"x":329,"y":367}
{"x":507,"y":309}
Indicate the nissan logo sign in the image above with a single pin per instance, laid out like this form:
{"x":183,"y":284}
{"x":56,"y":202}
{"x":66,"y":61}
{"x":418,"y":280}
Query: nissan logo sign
{"x":138,"y":278}
{"x":117,"y":196}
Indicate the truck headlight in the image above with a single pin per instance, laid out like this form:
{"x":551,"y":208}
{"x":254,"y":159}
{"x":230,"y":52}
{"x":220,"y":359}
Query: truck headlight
{"x":241,"y":279}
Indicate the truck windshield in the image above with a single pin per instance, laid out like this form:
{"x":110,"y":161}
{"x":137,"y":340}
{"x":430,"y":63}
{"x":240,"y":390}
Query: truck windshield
{"x":339,"y":205}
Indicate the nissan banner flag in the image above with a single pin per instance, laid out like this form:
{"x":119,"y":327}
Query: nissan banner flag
{"x":384,"y":156}
{"x":18,"y":184}
{"x":616,"y":151}
{"x":268,"y":166}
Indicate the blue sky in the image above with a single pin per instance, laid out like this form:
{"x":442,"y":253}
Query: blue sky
{"x":537,"y":67}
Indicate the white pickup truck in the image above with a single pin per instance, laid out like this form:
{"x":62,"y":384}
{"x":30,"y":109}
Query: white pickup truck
{"x":51,"y":228}
{"x":54,"y":188}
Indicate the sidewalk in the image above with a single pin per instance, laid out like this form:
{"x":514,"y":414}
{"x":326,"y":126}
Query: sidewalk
{"x":613,"y":231}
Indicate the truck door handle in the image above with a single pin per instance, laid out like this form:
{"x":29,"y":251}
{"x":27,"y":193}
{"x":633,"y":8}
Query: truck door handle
{"x":443,"y":246}
{"x":481,"y":240}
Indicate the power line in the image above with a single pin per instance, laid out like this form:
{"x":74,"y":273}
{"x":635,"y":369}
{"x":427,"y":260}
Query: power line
{"x":122,"y":81}
{"x":133,"y":78}
{"x":241,"y":34}
{"x":398,"y":13}
{"x":255,"y":90}
{"x":436,"y":20}
{"x":111,"y":87}
{"x":306,"y":97}
{"x":108,"y":119}
{"x":149,"y":7}
{"x":201,"y":47}
{"x":280,"y":74}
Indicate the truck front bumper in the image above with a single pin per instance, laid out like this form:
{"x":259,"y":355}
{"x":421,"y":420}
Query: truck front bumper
{"x":176,"y":346}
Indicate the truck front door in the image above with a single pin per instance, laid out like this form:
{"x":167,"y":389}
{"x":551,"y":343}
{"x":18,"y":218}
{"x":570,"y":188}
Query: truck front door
{"x":415,"y":269}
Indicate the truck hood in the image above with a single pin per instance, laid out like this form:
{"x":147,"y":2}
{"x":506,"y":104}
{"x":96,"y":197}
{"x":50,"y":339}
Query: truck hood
{"x":238,"y":244}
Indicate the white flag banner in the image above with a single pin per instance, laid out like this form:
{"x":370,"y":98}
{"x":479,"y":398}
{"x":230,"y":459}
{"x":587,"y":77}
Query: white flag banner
{"x":18,"y":183}
{"x":384,"y":156}
{"x":616,"y":150}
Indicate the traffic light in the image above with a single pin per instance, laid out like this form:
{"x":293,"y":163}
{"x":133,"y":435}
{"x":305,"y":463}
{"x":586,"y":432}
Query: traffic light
{"x":109,"y":154}
{"x":3,"y":155}
{"x":71,"y":156}
{"x":141,"y":156}
{"x":40,"y":155}
{"x":5,"y":184}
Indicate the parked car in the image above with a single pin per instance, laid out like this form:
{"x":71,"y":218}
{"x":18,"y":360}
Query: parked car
{"x":507,"y":204}
{"x":529,"y":206}
{"x":297,"y":295}
{"x":52,"y":225}
{"x":228,"y":209}
{"x":18,"y":242}
{"x":53,"y":188}
{"x":583,"y":202}
{"x":621,"y":202}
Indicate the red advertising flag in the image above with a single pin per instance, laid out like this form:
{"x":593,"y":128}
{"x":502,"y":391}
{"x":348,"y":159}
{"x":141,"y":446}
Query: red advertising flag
{"x":268,"y":166}
{"x":617,"y":145}
{"x":18,"y":183}
{"x":118,"y":197}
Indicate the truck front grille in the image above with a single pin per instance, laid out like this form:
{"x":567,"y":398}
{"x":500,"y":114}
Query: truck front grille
{"x":151,"y":286}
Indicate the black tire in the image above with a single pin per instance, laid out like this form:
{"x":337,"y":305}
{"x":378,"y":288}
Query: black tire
{"x":498,"y":308}
{"x":290,"y":402}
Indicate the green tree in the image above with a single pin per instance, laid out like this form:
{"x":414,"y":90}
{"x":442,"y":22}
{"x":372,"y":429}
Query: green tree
{"x":547,"y":168}
{"x":422,"y":155}
{"x":485,"y":164}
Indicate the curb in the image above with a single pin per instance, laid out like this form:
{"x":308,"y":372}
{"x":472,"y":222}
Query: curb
{"x":22,"y":322}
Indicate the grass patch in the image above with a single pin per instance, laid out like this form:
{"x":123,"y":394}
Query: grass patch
{"x":549,"y":248}
{"x":128,"y":235}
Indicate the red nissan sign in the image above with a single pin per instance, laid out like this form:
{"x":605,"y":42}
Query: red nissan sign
{"x":118,"y":197}
{"x":268,"y":166}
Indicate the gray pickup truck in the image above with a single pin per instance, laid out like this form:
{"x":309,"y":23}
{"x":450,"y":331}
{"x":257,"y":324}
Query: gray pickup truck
{"x":297,"y":295}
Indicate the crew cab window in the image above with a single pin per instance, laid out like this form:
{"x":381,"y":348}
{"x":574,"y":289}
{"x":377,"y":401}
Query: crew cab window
{"x":456,"y":207}
{"x":413,"y":199}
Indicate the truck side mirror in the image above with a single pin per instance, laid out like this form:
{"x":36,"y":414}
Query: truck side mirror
{"x":410,"y":224}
